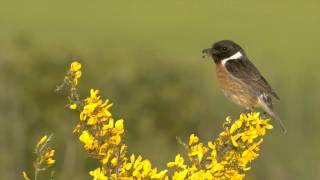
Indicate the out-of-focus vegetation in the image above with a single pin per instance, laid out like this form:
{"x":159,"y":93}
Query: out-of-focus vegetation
{"x":146,"y":55}
{"x":44,"y":159}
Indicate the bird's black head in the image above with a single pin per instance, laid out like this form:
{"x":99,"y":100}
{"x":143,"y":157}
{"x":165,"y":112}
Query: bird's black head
{"x":222,"y":50}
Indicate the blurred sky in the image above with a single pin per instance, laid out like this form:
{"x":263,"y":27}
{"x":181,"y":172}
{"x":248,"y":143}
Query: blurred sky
{"x":179,"y":27}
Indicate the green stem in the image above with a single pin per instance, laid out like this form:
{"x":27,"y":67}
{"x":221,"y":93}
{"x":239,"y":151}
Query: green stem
{"x":36,"y":172}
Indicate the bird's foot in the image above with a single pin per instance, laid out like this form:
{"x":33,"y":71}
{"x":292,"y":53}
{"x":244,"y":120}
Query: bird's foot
{"x":248,"y":110}
{"x":264,"y":115}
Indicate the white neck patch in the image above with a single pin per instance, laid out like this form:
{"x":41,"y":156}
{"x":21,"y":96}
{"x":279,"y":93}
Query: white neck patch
{"x":237,"y":55}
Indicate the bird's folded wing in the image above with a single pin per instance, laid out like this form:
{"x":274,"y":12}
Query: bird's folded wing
{"x":245,"y":71}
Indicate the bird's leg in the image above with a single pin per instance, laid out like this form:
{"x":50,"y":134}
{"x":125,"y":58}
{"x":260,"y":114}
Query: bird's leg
{"x":248,"y":110}
{"x":264,"y":114}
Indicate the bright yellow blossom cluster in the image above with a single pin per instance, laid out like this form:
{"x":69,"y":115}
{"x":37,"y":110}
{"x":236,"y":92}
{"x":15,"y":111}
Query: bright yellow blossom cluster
{"x":102,"y":136}
{"x":228,"y":156}
{"x":75,"y":72}
{"x":44,"y":158}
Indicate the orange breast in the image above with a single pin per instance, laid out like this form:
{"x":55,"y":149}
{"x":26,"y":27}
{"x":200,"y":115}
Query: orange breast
{"x":234,"y":89}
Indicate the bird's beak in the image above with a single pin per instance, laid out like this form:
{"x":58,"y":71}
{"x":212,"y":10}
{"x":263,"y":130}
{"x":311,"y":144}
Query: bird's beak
{"x":207,"y":52}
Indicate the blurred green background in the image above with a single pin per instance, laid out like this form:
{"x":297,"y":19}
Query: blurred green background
{"x":145,"y":55}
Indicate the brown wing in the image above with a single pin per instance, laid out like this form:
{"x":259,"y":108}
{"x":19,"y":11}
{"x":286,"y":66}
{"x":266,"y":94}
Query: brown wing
{"x":244,"y":70}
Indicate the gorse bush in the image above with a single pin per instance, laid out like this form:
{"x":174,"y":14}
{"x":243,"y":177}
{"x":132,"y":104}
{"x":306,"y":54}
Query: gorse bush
{"x":44,"y":158}
{"x":227,"y":156}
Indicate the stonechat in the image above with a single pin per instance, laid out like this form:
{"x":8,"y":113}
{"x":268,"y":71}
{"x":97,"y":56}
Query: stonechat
{"x":240,"y":80}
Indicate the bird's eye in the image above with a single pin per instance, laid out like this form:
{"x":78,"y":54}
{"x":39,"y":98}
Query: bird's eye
{"x":224,"y":48}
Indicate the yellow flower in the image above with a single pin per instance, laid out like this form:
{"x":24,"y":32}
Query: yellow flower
{"x":251,"y":153}
{"x":180,"y":175}
{"x":217,"y":167}
{"x":114,"y":161}
{"x":235,"y":126}
{"x":160,"y":175}
{"x":92,"y":120}
{"x":118,"y":129}
{"x":108,"y":126}
{"x":127,"y":166}
{"x":178,"y":162}
{"x":25,"y":176}
{"x":234,"y":139}
{"x":89,"y":142}
{"x":42,"y":140}
{"x":193,"y":139}
{"x":107,"y":157}
{"x":48,"y":156}
{"x":98,"y":174}
{"x":73,"y":106}
{"x":199,"y":150}
{"x":137,"y":162}
{"x":50,"y":161}
{"x":227,"y":122}
{"x":249,"y":135}
{"x":77,"y":129}
{"x":115,"y":139}
{"x":77,"y":74}
{"x":103,"y":149}
{"x":213,"y":149}
{"x":75,"y":82}
{"x":201,"y":175}
{"x":252,"y":116}
{"x":49,"y":153}
{"x":75,"y":66}
{"x":146,"y":168}
{"x":94,"y":94}
{"x":90,"y":108}
{"x":262,"y":126}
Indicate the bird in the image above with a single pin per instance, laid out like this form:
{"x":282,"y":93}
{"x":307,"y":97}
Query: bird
{"x":240,"y":80}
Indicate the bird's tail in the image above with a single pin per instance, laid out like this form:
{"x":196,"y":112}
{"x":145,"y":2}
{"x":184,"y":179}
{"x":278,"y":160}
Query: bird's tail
{"x":269,"y":110}
{"x":277,"y":118}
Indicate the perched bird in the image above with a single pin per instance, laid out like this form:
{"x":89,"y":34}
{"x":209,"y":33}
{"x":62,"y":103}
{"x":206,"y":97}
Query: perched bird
{"x":240,"y":80}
